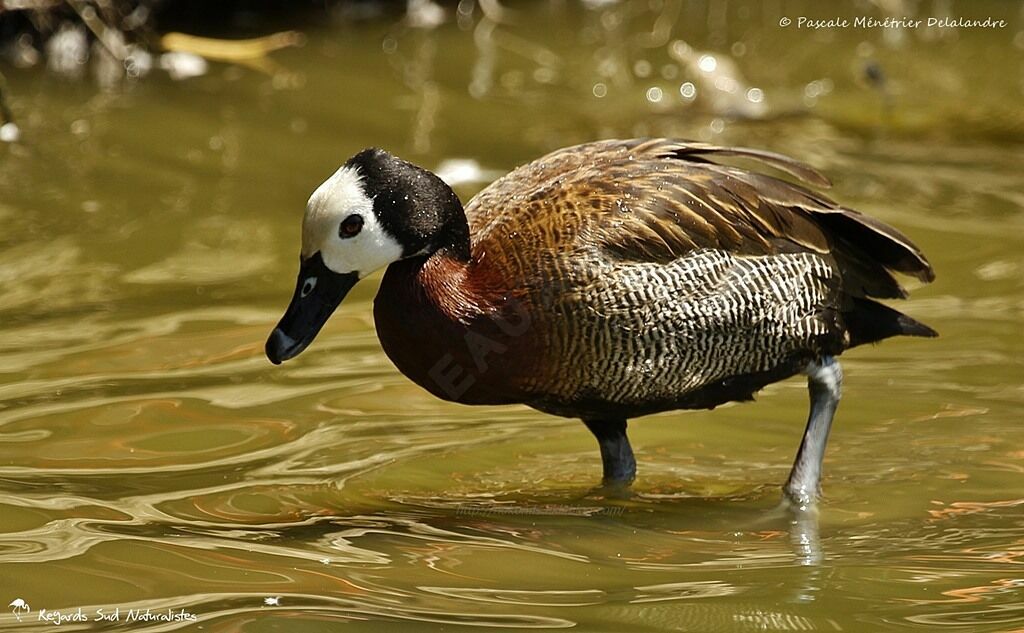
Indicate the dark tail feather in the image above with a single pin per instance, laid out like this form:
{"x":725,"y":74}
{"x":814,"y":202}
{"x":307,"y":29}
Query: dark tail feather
{"x":870,"y":322}
{"x":879,"y":241}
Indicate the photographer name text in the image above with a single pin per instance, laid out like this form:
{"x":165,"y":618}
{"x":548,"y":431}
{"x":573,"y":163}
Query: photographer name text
{"x":864,"y":22}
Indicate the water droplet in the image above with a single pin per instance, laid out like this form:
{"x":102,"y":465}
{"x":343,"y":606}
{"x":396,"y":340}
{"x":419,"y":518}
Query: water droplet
{"x":544,"y":75}
{"x":680,"y":49}
{"x":600,"y":90}
{"x":726,"y":84}
{"x":647,"y":367}
{"x":812,"y":89}
{"x":80,"y":127}
{"x":688,"y":90}
{"x":707,"y":63}
{"x":654,"y":94}
{"x":9,"y":132}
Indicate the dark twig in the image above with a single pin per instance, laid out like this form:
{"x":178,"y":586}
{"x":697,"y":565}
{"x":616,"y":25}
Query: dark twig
{"x":6,"y":116}
{"x":99,"y":28}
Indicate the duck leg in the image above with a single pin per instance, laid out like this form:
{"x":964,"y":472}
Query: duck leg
{"x":824,"y":382}
{"x":616,"y":453}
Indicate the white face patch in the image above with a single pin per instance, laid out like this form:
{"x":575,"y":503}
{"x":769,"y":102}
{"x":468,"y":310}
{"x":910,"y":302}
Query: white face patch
{"x":339,"y":197}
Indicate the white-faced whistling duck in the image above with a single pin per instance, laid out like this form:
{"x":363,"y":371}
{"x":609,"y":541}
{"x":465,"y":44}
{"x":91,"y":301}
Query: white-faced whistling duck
{"x":607,"y":281}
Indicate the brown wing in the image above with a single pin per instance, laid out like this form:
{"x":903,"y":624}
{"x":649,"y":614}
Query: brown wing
{"x":656,"y":200}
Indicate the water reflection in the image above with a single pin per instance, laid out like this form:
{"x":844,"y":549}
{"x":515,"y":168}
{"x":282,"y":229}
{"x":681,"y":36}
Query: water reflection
{"x":292,"y":542}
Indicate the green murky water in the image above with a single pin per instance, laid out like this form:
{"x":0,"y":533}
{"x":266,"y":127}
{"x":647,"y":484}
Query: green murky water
{"x":150,"y":456}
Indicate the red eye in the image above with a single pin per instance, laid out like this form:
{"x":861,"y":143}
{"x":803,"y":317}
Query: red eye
{"x":350,"y":226}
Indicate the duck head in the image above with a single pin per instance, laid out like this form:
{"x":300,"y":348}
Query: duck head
{"x":375,"y":210}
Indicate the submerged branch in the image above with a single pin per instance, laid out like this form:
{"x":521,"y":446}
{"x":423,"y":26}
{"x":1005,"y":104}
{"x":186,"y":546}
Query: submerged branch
{"x":6,"y":116}
{"x":91,"y":19}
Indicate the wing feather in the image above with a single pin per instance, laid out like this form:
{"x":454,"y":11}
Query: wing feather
{"x":655,"y":200}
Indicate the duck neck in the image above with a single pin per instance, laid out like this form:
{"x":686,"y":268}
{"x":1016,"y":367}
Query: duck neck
{"x":437,"y":285}
{"x":453,"y":242}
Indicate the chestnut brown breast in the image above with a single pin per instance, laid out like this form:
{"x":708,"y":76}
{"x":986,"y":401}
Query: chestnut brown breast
{"x":453,"y":328}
